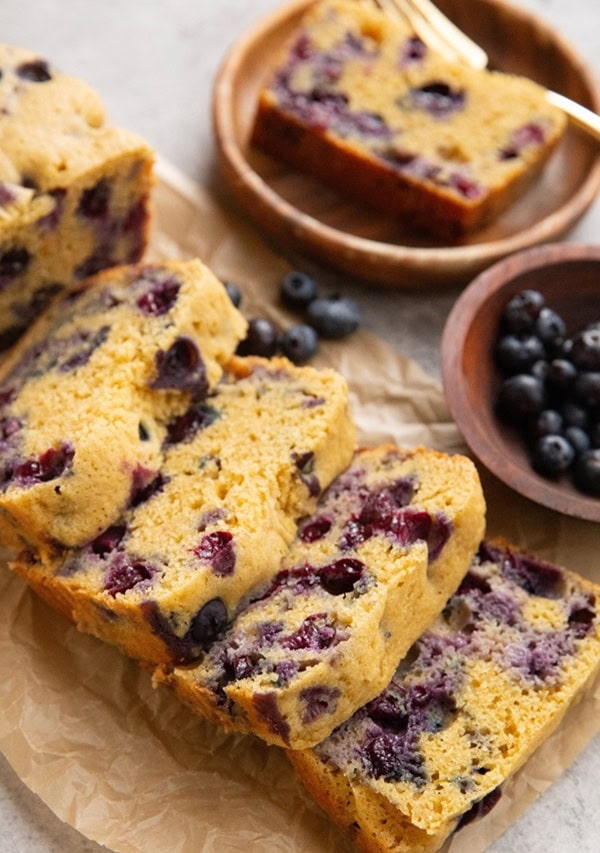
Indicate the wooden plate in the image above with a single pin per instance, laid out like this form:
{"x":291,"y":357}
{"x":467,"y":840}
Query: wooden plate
{"x":569,"y":277}
{"x":301,"y":214}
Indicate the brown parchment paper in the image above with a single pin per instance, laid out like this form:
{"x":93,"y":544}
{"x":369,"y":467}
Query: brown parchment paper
{"x":126,"y":764}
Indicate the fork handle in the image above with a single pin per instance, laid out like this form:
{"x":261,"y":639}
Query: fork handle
{"x":579,"y":116}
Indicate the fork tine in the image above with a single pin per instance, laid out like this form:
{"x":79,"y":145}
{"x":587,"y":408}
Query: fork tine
{"x":411,"y":14}
{"x":470,"y":52}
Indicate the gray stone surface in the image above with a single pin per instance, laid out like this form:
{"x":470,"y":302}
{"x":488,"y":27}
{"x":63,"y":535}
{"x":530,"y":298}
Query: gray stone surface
{"x":154,"y":63}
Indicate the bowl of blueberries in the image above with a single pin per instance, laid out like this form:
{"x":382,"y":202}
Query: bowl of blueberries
{"x":520,"y":362}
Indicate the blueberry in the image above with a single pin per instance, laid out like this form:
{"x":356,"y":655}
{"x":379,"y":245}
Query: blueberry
{"x":36,"y":71}
{"x":159,"y":298}
{"x":125,"y":574}
{"x":438,"y":99}
{"x":261,"y":338}
{"x":299,"y":343}
{"x":181,"y":367}
{"x":217,"y":549}
{"x":578,"y":438}
{"x":561,"y":374}
{"x":552,"y":455}
{"x":548,"y":422}
{"x":315,"y":529}
{"x":586,"y":348}
{"x":517,"y":353}
{"x":550,"y":326}
{"x":48,"y":466}
{"x":586,"y":388}
{"x":94,"y":201}
{"x":574,"y":415}
{"x":587,"y":472}
{"x":540,"y":368}
{"x":339,"y":577}
{"x":209,"y":622}
{"x":521,"y":396}
{"x":595,"y":434}
{"x":297,"y":290}
{"x":12,"y":263}
{"x":333,"y":316}
{"x":108,"y":540}
{"x":522,"y":311}
{"x":234,"y":293}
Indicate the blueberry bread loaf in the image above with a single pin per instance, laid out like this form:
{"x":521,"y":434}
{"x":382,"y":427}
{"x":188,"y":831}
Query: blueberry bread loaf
{"x":239,"y":469}
{"x":390,"y":540}
{"x":87,"y":394}
{"x":478,"y":693}
{"x":74,"y":191}
{"x":360,"y":102}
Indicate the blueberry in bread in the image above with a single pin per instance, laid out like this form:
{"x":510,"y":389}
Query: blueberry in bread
{"x":359,"y":101}
{"x":87,"y":394}
{"x":214,"y":521}
{"x":74,"y":190}
{"x":478,"y":693}
{"x":390,"y":540}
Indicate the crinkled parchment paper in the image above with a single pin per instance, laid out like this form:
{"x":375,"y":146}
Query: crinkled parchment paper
{"x":126,"y":764}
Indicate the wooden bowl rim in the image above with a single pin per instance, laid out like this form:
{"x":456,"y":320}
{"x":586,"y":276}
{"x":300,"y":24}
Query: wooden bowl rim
{"x":381,"y":261}
{"x":467,"y":307}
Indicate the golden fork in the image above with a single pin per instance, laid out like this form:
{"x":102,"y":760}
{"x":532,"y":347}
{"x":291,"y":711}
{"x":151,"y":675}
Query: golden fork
{"x":436,"y":30}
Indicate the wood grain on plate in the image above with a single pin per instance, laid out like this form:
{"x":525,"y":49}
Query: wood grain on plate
{"x":301,"y":214}
{"x":569,"y":277}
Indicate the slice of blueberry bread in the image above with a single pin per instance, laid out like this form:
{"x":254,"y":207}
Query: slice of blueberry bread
{"x":391,"y":539}
{"x":88,"y":392}
{"x":478,"y":693}
{"x":74,"y":191}
{"x":239,"y":469}
{"x":359,"y":101}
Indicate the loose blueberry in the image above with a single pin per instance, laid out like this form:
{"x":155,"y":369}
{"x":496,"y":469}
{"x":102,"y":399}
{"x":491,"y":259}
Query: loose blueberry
{"x":521,"y":396}
{"x":523,"y":310}
{"x":299,"y":343}
{"x":587,"y":472}
{"x":261,"y":338}
{"x":553,"y":455}
{"x":234,"y":292}
{"x":333,"y":316}
{"x":297,"y":290}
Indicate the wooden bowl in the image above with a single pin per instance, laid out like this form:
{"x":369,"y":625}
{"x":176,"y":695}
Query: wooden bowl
{"x":569,"y":277}
{"x":299,"y":213}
